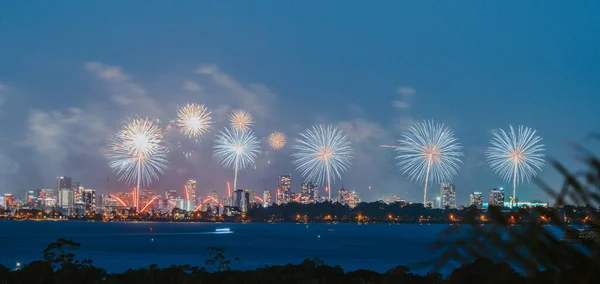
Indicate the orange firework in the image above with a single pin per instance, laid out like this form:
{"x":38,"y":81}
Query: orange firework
{"x":277,"y":140}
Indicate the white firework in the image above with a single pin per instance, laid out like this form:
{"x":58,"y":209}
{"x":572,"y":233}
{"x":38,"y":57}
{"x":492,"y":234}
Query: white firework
{"x":324,"y":153}
{"x":277,"y":140}
{"x":516,"y":155}
{"x":236,"y":149}
{"x":240,"y":120}
{"x":193,"y":120}
{"x":137,"y":153}
{"x":429,"y":152}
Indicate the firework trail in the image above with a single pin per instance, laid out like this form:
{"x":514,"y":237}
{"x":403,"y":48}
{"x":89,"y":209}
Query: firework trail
{"x":236,"y":149}
{"x":193,"y":120}
{"x":322,"y":151}
{"x":429,"y":152}
{"x":137,"y":154}
{"x":516,"y":155}
{"x":240,"y":120}
{"x":277,"y":140}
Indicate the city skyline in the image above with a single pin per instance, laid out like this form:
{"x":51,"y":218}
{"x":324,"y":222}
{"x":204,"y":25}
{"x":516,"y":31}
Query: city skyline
{"x":65,"y":90}
{"x":284,"y":192}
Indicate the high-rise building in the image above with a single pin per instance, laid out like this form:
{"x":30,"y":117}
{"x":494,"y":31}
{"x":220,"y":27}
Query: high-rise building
{"x":62,"y":183}
{"x":266,"y":198}
{"x":49,"y":199}
{"x":125,"y":198}
{"x":448,"y":193}
{"x":251,"y":196}
{"x":89,"y":199}
{"x":304,"y":194}
{"x":477,"y":199}
{"x":353,"y":199}
{"x":78,"y":193}
{"x":171,"y":194}
{"x":190,"y":191}
{"x":343,"y":196}
{"x":185,"y":204}
{"x":238,"y":195}
{"x":146,"y":195}
{"x":78,"y":203}
{"x":109,"y":202}
{"x":9,"y":200}
{"x":496,"y":197}
{"x":35,"y":197}
{"x":309,"y":192}
{"x":241,"y":199}
{"x":66,"y":200}
{"x":284,"y":183}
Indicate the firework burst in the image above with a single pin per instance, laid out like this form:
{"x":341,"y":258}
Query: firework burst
{"x":324,"y":153}
{"x":429,"y":152}
{"x":240,"y":120}
{"x":193,"y":120}
{"x":277,"y":140}
{"x":516,"y":155}
{"x":236,"y":149}
{"x":137,"y":153}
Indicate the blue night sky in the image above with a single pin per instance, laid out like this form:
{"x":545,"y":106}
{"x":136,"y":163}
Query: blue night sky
{"x":71,"y":73}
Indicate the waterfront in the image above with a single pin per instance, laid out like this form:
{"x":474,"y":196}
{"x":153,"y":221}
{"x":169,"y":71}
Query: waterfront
{"x":122,"y":245}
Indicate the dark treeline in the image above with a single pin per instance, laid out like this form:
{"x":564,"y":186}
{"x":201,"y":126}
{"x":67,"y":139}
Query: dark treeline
{"x":373,"y":212}
{"x":59,"y":265}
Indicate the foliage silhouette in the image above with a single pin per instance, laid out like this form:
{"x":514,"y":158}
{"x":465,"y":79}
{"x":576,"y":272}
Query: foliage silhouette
{"x":542,"y":245}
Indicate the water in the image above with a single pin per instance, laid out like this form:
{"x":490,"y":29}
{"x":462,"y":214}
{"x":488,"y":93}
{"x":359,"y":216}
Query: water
{"x":120,"y":246}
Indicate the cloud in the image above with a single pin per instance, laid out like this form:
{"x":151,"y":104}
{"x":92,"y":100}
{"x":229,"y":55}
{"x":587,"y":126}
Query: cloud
{"x":373,"y":165}
{"x":255,"y":98}
{"x":404,"y":122}
{"x":7,"y":165}
{"x":3,"y":93}
{"x":124,"y":91}
{"x":191,"y":86}
{"x":57,"y":134}
{"x":401,"y":105}
{"x":407,"y":91}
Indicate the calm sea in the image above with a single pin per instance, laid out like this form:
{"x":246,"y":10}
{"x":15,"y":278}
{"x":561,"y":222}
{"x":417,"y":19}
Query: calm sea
{"x":120,"y":246}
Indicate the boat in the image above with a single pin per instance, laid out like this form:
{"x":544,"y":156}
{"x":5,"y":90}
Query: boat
{"x":223,"y":231}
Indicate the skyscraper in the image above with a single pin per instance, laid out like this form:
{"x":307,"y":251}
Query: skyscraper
{"x":284,"y":183}
{"x":251,"y":196}
{"x":49,"y":198}
{"x":477,"y":199}
{"x":89,"y":199}
{"x":9,"y":200}
{"x":78,"y":193}
{"x":62,"y":183}
{"x":309,"y":192}
{"x":146,"y":195}
{"x":66,"y":200}
{"x":238,"y":195}
{"x":171,"y":194}
{"x":343,"y":196}
{"x":448,"y":193}
{"x":35,"y":197}
{"x":241,"y":199}
{"x":190,"y":191}
{"x":353,"y":199}
{"x":266,"y":198}
{"x":496,"y":197}
{"x":304,"y":195}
